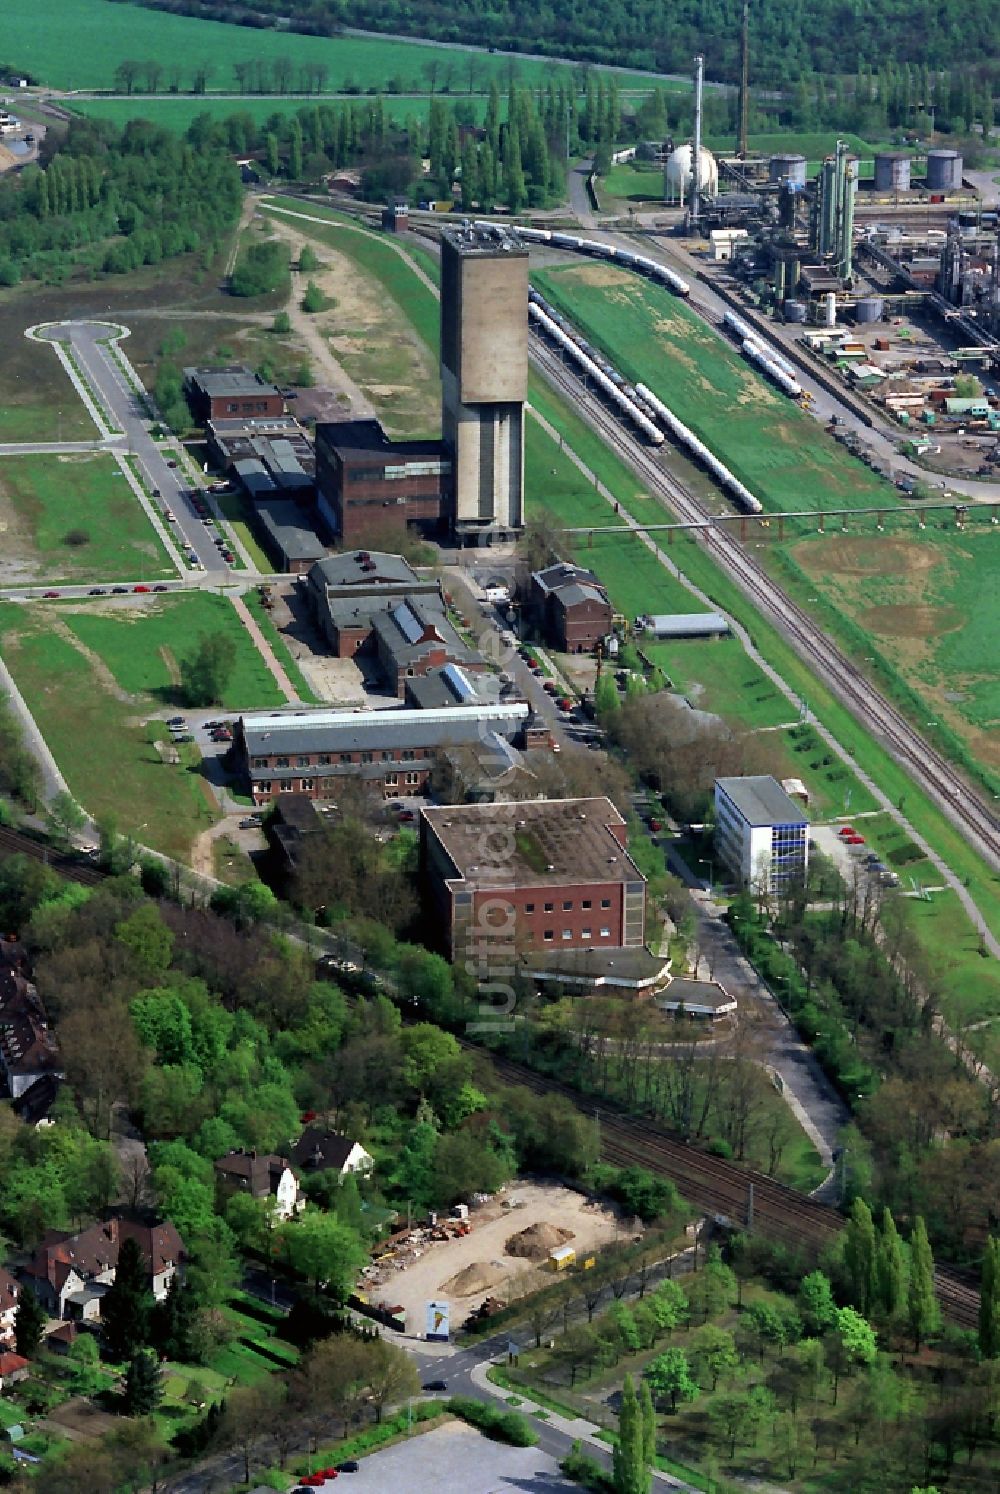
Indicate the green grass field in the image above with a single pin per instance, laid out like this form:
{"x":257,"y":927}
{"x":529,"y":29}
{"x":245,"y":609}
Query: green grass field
{"x":142,"y":647}
{"x":45,"y":498}
{"x":176,"y":111}
{"x":79,"y":44}
{"x":763,"y":437}
{"x":281,"y":650}
{"x":717,"y":674}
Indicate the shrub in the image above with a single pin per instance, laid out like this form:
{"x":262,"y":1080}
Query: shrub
{"x":76,"y":537}
{"x":501,"y":1426}
{"x":282,"y":322}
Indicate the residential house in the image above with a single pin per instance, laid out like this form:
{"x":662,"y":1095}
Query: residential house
{"x":571,"y":606}
{"x":320,"y":1150}
{"x":265,"y":1176}
{"x":28,"y":1047}
{"x":9,"y":1293}
{"x":70,"y":1273}
{"x":12,"y":1369}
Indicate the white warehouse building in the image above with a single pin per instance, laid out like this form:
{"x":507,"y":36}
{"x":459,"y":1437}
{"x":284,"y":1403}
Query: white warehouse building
{"x":760,"y":832}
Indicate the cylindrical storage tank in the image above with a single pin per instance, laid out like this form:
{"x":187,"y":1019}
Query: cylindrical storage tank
{"x":892,"y":171}
{"x":944,"y":170}
{"x":869,"y":309}
{"x":678,"y":173}
{"x":830,"y":310}
{"x":788,"y":168}
{"x":795,"y":311}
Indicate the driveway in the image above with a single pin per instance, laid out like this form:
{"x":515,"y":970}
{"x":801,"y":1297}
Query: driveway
{"x":86,"y":343}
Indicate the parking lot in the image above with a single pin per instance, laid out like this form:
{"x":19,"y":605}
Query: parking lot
{"x":454,"y":1459}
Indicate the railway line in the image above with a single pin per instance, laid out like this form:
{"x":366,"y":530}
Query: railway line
{"x":888,"y":725}
{"x":14,"y":843}
{"x":721,"y":1188}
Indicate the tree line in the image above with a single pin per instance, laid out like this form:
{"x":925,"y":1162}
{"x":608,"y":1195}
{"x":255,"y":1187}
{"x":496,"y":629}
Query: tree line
{"x":652,"y":34}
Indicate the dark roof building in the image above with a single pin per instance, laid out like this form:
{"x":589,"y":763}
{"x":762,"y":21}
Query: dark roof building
{"x":320,"y":1150}
{"x":288,"y":534}
{"x":571,"y":606}
{"x":67,"y":1264}
{"x":222,"y":393}
{"x":28,"y":1047}
{"x":275,"y":450}
{"x":346,"y":592}
{"x":370,"y":487}
{"x":416,"y":636}
{"x":545,"y":873}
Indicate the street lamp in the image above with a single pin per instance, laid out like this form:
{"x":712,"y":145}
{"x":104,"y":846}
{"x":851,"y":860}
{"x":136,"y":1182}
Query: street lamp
{"x":707,"y":861}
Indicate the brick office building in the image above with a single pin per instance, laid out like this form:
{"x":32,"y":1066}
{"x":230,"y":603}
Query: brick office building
{"x":571,"y":607}
{"x":555,"y":873}
{"x":370,"y":488}
{"x":230,"y":393}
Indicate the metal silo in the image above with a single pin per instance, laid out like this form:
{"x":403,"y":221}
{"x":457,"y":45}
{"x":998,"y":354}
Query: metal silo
{"x":788,"y":168}
{"x":869,"y":309}
{"x":795,"y":311}
{"x":892,"y":171}
{"x":944,"y":170}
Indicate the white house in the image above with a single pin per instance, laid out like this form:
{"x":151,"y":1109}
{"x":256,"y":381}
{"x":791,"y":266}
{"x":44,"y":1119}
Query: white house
{"x":319,"y":1150}
{"x":760,"y":833}
{"x":266,"y":1176}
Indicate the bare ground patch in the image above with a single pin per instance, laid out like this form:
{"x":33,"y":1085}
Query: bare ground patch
{"x":914,"y":621}
{"x":867,"y":556}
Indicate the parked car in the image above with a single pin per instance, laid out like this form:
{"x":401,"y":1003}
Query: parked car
{"x":656,"y":826}
{"x":176,"y":721}
{"x":50,"y":593}
{"x":171,"y":463}
{"x":406,"y":815}
{"x":119,"y":591}
{"x":184,"y":736}
{"x":140,"y":588}
{"x":97,"y":591}
{"x":161,"y":586}
{"x":435,"y":1385}
{"x":350,"y":1465}
{"x":250,"y":824}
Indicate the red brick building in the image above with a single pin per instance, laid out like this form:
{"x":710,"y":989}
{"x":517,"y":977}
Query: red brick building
{"x":230,"y":393}
{"x":370,"y":489}
{"x":546,"y":874}
{"x":571,"y":607}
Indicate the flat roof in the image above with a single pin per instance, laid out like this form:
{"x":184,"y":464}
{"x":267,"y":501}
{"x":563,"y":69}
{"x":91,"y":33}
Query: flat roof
{"x":234,"y":380}
{"x":366,"y":437}
{"x":289,"y":529}
{"x":631,"y":966}
{"x":452,"y":685}
{"x":493,"y":243}
{"x":761,"y":800}
{"x":540,"y":842}
{"x":362,"y":568}
{"x":696,"y":996}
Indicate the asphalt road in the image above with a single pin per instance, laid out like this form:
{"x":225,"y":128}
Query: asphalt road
{"x":102,"y":373}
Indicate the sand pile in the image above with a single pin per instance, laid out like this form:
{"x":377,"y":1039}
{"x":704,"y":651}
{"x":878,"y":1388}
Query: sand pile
{"x":472,"y":1280}
{"x":535,"y":1242}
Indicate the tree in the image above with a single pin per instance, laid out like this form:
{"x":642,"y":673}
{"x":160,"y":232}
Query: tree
{"x":29,"y":1323}
{"x":738,"y":1417}
{"x":921,"y":1304}
{"x":989,"y":1300}
{"x":815,"y":1303}
{"x":143,"y":1386}
{"x":850,"y":1342}
{"x":669,"y":1374}
{"x":630,"y":1470}
{"x":713,"y":1289}
{"x":391,"y":1374}
{"x":713,"y":1352}
{"x":647,"y":1411}
{"x":247,"y":1412}
{"x":325,"y":1251}
{"x":859,"y":1254}
{"x":314,"y":300}
{"x":84,"y":1359}
{"x":206,"y":673}
{"x":126,"y":1307}
{"x":669,"y":1306}
{"x":308,"y":258}
{"x":890,"y":1270}
{"x":65,"y":814}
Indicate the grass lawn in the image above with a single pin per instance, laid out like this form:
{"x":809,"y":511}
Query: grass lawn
{"x":235,"y":509}
{"x":142,"y":646}
{"x":177,"y":111}
{"x":101,"y":745}
{"x":44,"y":498}
{"x":717,"y":674}
{"x":24,"y":418}
{"x":79,"y":44}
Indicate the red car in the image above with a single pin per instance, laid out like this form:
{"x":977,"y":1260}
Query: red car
{"x":550,"y":686}
{"x":140,"y":588}
{"x":846,"y":830}
{"x":656,"y":826}
{"x":854,"y":840}
{"x":50,"y":593}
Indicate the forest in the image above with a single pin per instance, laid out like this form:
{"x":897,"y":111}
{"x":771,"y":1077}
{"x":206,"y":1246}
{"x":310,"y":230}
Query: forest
{"x":109,"y":201}
{"x":789,"y":38}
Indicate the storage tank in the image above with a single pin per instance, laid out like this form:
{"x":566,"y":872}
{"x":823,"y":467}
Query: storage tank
{"x":677,"y":174}
{"x":788,"y":168}
{"x":869,"y":309}
{"x":944,"y":170}
{"x":892,"y":171}
{"x":795,"y":311}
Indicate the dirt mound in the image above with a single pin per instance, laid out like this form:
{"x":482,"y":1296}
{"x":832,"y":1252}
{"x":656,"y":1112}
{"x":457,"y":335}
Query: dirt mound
{"x":535,"y":1242}
{"x":472,"y":1280}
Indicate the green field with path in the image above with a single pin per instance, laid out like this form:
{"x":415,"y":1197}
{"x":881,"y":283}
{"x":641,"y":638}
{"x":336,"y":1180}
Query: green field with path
{"x":79,"y":43}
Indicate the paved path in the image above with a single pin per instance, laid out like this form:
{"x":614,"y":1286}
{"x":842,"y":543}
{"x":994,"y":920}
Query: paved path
{"x":265,"y":650}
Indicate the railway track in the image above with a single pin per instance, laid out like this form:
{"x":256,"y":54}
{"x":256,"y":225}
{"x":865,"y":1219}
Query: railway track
{"x":889,"y":726}
{"x":721,"y":1188}
{"x":14,"y":843}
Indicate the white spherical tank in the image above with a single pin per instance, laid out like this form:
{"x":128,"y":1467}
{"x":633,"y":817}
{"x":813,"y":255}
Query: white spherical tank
{"x":677,"y":174}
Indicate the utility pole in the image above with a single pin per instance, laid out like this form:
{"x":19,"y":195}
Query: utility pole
{"x":741,"y":144}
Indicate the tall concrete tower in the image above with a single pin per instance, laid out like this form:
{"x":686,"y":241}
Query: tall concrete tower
{"x":484,"y":379}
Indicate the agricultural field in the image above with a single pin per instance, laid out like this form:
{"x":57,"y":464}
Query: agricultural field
{"x":772,"y":445}
{"x":93,"y":673}
{"x":177,"y":111}
{"x":78,"y":44}
{"x":74,"y":518}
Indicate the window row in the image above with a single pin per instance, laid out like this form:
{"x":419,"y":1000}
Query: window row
{"x":567,"y":907}
{"x":549,"y":934}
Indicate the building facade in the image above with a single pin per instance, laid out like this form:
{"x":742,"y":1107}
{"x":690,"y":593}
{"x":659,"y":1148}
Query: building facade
{"x":542,"y":874}
{"x":370,"y":489}
{"x":571,"y":607}
{"x":230,"y":393}
{"x":484,"y":379}
{"x":761,"y":835}
{"x":393,"y":751}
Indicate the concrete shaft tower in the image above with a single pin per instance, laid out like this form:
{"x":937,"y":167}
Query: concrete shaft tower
{"x":484,"y":379}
